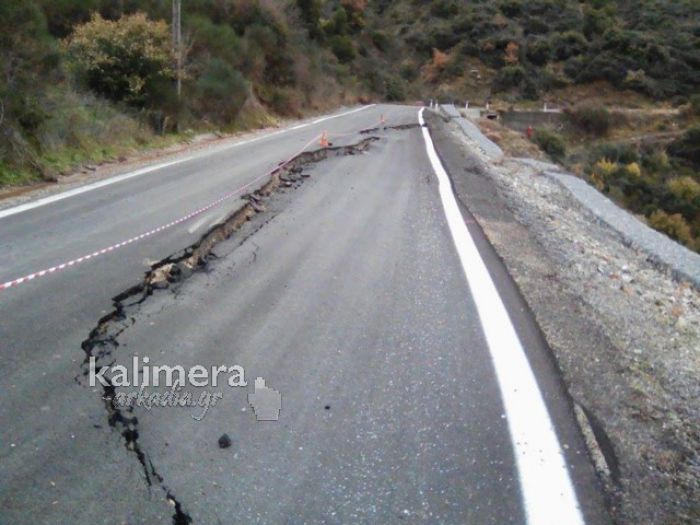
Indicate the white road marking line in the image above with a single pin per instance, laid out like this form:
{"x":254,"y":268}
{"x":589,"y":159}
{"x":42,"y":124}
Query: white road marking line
{"x":217,"y":202}
{"x":548,"y":493}
{"x":149,"y":169}
{"x":330,"y":117}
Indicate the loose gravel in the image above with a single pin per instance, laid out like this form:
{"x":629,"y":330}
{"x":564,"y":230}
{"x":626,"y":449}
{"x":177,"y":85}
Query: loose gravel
{"x":622,"y":324}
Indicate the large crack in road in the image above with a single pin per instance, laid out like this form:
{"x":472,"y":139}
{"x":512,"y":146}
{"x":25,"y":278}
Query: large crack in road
{"x":103,"y":340}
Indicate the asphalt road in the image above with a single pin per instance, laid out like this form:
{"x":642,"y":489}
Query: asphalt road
{"x":347,"y":295}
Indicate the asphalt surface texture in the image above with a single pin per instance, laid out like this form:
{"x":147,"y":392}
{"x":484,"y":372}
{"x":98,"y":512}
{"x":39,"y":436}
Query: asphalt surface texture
{"x":344,"y":293}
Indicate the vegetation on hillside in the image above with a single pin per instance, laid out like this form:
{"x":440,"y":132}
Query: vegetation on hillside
{"x":526,"y":48}
{"x":650,"y":165}
{"x":73,"y":68}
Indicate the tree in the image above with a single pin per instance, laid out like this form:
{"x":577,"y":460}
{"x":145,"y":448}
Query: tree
{"x":127,"y":60}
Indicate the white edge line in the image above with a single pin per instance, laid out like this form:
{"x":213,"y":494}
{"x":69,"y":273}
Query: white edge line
{"x":548,"y":493}
{"x":148,"y":169}
{"x":330,"y":117}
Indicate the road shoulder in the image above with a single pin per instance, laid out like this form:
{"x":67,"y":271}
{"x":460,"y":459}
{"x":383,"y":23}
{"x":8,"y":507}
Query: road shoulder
{"x":622,"y":331}
{"x":149,"y":160}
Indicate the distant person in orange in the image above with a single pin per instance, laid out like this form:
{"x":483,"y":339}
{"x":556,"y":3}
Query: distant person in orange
{"x":529,"y":132}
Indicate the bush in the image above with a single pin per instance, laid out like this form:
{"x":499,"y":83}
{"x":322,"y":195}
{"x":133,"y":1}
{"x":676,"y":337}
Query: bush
{"x":218,"y":40}
{"x":511,"y":8}
{"x":621,"y":153}
{"x":222,"y":91}
{"x":394,"y":90}
{"x":551,"y":143}
{"x":605,"y":168}
{"x":284,"y":101}
{"x":633,"y":170}
{"x":343,"y":48}
{"x":444,"y":8}
{"x":695,"y":104}
{"x":509,"y":77}
{"x":27,"y":66}
{"x":656,"y":161}
{"x":687,"y":147}
{"x":409,"y":72}
{"x":685,"y":188}
{"x":338,"y":24}
{"x":311,"y":16}
{"x":569,"y":44}
{"x":595,"y":120}
{"x":125,"y":60}
{"x":538,"y":51}
{"x":381,"y":41}
{"x":595,"y":23}
{"x":675,"y":226}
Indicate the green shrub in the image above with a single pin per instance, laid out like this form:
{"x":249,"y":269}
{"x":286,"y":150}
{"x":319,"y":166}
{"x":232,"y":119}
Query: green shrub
{"x":381,"y":41}
{"x":444,"y":8}
{"x":695,"y":104}
{"x":685,"y":188}
{"x":687,"y":147}
{"x":675,"y":226}
{"x":509,"y":77}
{"x":221,"y":92}
{"x":656,"y":161}
{"x":568,"y":44}
{"x":595,"y":120}
{"x":615,"y":152}
{"x":538,"y":51}
{"x":551,"y":143}
{"x":125,"y":60}
{"x":394,"y":90}
{"x":595,"y":23}
{"x":338,"y":24}
{"x":215,"y":40}
{"x":284,"y":101}
{"x":343,"y":48}
{"x":511,"y":8}
{"x":409,"y":72}
{"x":311,"y":15}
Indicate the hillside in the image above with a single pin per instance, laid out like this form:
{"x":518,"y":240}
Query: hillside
{"x":525,"y":49}
{"x":65,"y":101}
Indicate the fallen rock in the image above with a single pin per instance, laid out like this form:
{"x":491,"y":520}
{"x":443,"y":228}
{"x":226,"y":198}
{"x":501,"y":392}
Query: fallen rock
{"x":225,"y":441}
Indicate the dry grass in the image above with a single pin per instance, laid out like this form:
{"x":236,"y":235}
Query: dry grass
{"x":513,"y":143}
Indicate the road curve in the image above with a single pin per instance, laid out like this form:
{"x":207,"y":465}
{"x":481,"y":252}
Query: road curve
{"x":345,"y":292}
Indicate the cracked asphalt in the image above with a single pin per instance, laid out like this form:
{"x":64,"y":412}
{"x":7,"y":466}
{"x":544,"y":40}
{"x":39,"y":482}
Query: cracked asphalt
{"x":345,"y":294}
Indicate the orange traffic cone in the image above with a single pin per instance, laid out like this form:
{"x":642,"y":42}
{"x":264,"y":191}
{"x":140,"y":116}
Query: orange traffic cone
{"x":324,"y":140}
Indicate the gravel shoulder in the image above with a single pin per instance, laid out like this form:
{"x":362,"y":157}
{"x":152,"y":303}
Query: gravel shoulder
{"x":624,"y":330}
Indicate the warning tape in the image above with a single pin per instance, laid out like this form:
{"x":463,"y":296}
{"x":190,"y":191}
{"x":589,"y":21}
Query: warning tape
{"x":122,"y":244}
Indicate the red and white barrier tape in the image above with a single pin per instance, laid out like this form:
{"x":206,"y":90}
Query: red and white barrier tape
{"x":108,"y":249}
